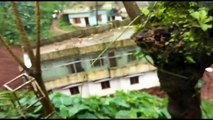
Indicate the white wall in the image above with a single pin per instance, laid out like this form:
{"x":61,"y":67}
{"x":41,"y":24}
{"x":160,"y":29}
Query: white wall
{"x":146,"y":80}
{"x":66,"y":91}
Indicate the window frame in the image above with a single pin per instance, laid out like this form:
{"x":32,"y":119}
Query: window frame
{"x":77,"y":20}
{"x":99,"y":17}
{"x":131,"y":57}
{"x":76,"y":90}
{"x":100,"y":62}
{"x":105,"y":85}
{"x":134,"y":80}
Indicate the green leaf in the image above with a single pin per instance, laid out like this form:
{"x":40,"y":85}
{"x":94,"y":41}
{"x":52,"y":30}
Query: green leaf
{"x":64,"y":112}
{"x":208,"y":19}
{"x":203,"y":15}
{"x":145,"y":11}
{"x":75,"y":109}
{"x":66,"y":100}
{"x":190,"y":59}
{"x":205,"y":27}
{"x":39,"y":108}
{"x":86,"y":115}
{"x":196,"y":15}
{"x":164,"y":114}
{"x":207,"y":109}
{"x":126,"y":114}
{"x":120,"y":102}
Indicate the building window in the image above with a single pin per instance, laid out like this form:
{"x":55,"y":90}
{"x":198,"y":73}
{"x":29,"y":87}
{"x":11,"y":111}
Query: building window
{"x":112,"y":59}
{"x":105,"y":85}
{"x":72,"y":68}
{"x":74,"y":90}
{"x":131,"y":57}
{"x":77,"y":20}
{"x":97,"y":63}
{"x":134,"y":80}
{"x":99,"y":18}
{"x":76,"y":67}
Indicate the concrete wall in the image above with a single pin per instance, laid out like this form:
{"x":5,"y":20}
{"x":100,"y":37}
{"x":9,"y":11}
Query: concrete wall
{"x":146,"y":80}
{"x":59,"y":68}
{"x":97,"y":75}
{"x":92,"y":20}
{"x":84,"y":32}
{"x":74,"y":52}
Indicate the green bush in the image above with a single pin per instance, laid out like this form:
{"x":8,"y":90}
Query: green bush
{"x":121,"y":105}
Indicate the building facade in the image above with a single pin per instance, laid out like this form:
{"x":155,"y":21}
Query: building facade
{"x":84,"y":19}
{"x":80,"y":69}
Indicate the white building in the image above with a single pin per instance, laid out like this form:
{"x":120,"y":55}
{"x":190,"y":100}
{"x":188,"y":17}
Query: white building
{"x":69,"y":66}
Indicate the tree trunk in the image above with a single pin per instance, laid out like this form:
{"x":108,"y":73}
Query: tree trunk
{"x":46,"y":103}
{"x":184,"y":100}
{"x":177,"y":78}
{"x":133,"y":11}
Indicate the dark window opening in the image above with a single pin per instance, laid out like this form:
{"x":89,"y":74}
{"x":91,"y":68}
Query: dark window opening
{"x":79,"y":67}
{"x":112,"y":59}
{"x":131,"y":57}
{"x":76,"y":67}
{"x":134,"y":80}
{"x":72,"y":68}
{"x":87,"y":21}
{"x":74,"y":90}
{"x":98,"y":62}
{"x":77,"y":20}
{"x":99,"y":18}
{"x":105,"y":85}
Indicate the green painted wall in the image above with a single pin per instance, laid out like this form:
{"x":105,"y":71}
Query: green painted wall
{"x":50,"y":72}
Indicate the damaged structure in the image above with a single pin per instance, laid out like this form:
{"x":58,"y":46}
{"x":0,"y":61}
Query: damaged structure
{"x":99,"y":64}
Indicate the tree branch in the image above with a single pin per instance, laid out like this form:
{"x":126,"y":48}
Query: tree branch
{"x":20,"y":62}
{"x":37,"y":14}
{"x":23,"y":36}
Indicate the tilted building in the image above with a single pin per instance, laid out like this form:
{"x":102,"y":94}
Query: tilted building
{"x":98,"y":64}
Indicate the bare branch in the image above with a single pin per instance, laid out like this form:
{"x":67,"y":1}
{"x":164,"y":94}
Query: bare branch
{"x":23,"y":35}
{"x":37,"y":14}
{"x":20,"y":62}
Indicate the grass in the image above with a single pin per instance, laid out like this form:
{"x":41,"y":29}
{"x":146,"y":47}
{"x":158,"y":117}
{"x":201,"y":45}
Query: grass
{"x":64,"y":24}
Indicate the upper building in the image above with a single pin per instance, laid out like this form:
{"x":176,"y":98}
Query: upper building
{"x":84,"y":16}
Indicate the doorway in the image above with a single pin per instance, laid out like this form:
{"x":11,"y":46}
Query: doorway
{"x":87,"y":21}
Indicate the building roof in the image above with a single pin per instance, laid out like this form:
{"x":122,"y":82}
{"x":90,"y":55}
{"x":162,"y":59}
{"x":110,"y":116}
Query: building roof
{"x":93,"y":39}
{"x":9,"y":67}
{"x":88,"y":6}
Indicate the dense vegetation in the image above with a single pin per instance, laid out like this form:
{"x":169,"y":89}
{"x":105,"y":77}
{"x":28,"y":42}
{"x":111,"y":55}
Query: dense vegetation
{"x":178,"y":37}
{"x":185,"y":27}
{"x":27,"y":14}
{"x":121,"y":105}
{"x":131,"y":104}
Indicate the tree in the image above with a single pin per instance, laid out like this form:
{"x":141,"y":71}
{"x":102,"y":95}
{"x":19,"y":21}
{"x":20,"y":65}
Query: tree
{"x":35,"y":70}
{"x":176,"y":35}
{"x":26,"y":12}
{"x":133,"y":11}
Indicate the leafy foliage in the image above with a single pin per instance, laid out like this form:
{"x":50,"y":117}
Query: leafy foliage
{"x":27,"y":15}
{"x":121,"y":105}
{"x":187,"y":26}
{"x":131,"y":104}
{"x":64,"y":23}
